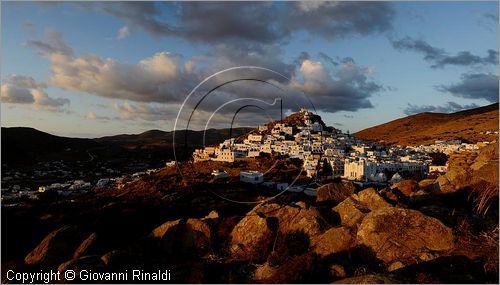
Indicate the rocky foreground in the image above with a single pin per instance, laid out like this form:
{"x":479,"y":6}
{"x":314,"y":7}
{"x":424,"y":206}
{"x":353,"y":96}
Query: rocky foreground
{"x":442,"y":230}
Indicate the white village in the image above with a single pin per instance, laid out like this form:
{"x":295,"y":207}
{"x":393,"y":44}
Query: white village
{"x":347,"y":157}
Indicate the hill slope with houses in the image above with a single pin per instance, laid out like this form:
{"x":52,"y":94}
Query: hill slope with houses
{"x":474,"y":125}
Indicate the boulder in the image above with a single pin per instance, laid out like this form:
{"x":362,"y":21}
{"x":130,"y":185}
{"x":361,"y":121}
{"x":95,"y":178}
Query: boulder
{"x":395,"y":234}
{"x":352,"y":210}
{"x":252,"y":236}
{"x":389,"y":195}
{"x":368,"y":279}
{"x":90,"y":263}
{"x":333,"y":241}
{"x":56,"y":247}
{"x":85,"y":246}
{"x":372,"y":199}
{"x":335,"y":192}
{"x":444,"y":184}
{"x":191,"y":237}
{"x":407,"y":187}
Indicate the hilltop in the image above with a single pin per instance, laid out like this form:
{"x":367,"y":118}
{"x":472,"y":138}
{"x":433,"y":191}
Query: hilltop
{"x":297,"y":119}
{"x":425,"y":128}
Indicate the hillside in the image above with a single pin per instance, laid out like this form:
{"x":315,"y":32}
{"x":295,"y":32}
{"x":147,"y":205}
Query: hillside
{"x":425,"y":128}
{"x":27,"y":146}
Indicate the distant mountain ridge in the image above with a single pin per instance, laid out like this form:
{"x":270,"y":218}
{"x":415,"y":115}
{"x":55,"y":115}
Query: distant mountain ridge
{"x":425,"y":128}
{"x":22,"y":145}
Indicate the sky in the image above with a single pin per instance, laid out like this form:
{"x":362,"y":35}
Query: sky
{"x":92,"y":69}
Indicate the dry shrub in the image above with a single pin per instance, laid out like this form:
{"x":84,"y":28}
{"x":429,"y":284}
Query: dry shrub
{"x":490,"y":242}
{"x":483,"y":196}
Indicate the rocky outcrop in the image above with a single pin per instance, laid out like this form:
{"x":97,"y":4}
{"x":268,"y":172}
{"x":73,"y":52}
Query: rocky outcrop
{"x":407,"y":236}
{"x":353,"y":209}
{"x":191,"y":237}
{"x":333,"y":241}
{"x":252,"y":236}
{"x":335,"y":192}
{"x":56,"y":247}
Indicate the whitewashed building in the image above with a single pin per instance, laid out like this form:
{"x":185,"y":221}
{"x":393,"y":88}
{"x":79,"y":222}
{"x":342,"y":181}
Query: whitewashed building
{"x":251,"y":176}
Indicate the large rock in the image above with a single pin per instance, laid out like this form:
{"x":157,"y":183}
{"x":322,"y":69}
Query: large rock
{"x":429,"y":186}
{"x":395,"y":234}
{"x":86,"y":246}
{"x":252,"y":236}
{"x":56,"y":247}
{"x":444,"y":184}
{"x":352,"y":210}
{"x":333,"y":241}
{"x":191,"y":237}
{"x":407,"y":187}
{"x":335,"y":192}
{"x":372,"y":199}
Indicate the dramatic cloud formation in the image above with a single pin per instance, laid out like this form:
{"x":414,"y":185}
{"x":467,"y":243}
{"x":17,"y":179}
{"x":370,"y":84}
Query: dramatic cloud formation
{"x":346,"y":88}
{"x":261,"y":22}
{"x":18,"y":89}
{"x":474,"y":86}
{"x":167,"y":78}
{"x":449,"y":107}
{"x":440,"y":58}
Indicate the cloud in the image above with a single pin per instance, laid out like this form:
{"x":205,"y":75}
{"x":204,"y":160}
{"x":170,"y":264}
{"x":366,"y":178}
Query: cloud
{"x":145,"y":111}
{"x":257,"y":22}
{"x":346,"y":88}
{"x":123,"y":32}
{"x":93,"y":116}
{"x":19,"y":89}
{"x":491,"y":16}
{"x":166,"y":78}
{"x":332,"y":20}
{"x":440,"y":57}
{"x":449,"y":107}
{"x":14,"y":94}
{"x":474,"y":86}
{"x":154,"y":79}
{"x":143,"y":15}
{"x":51,"y":44}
